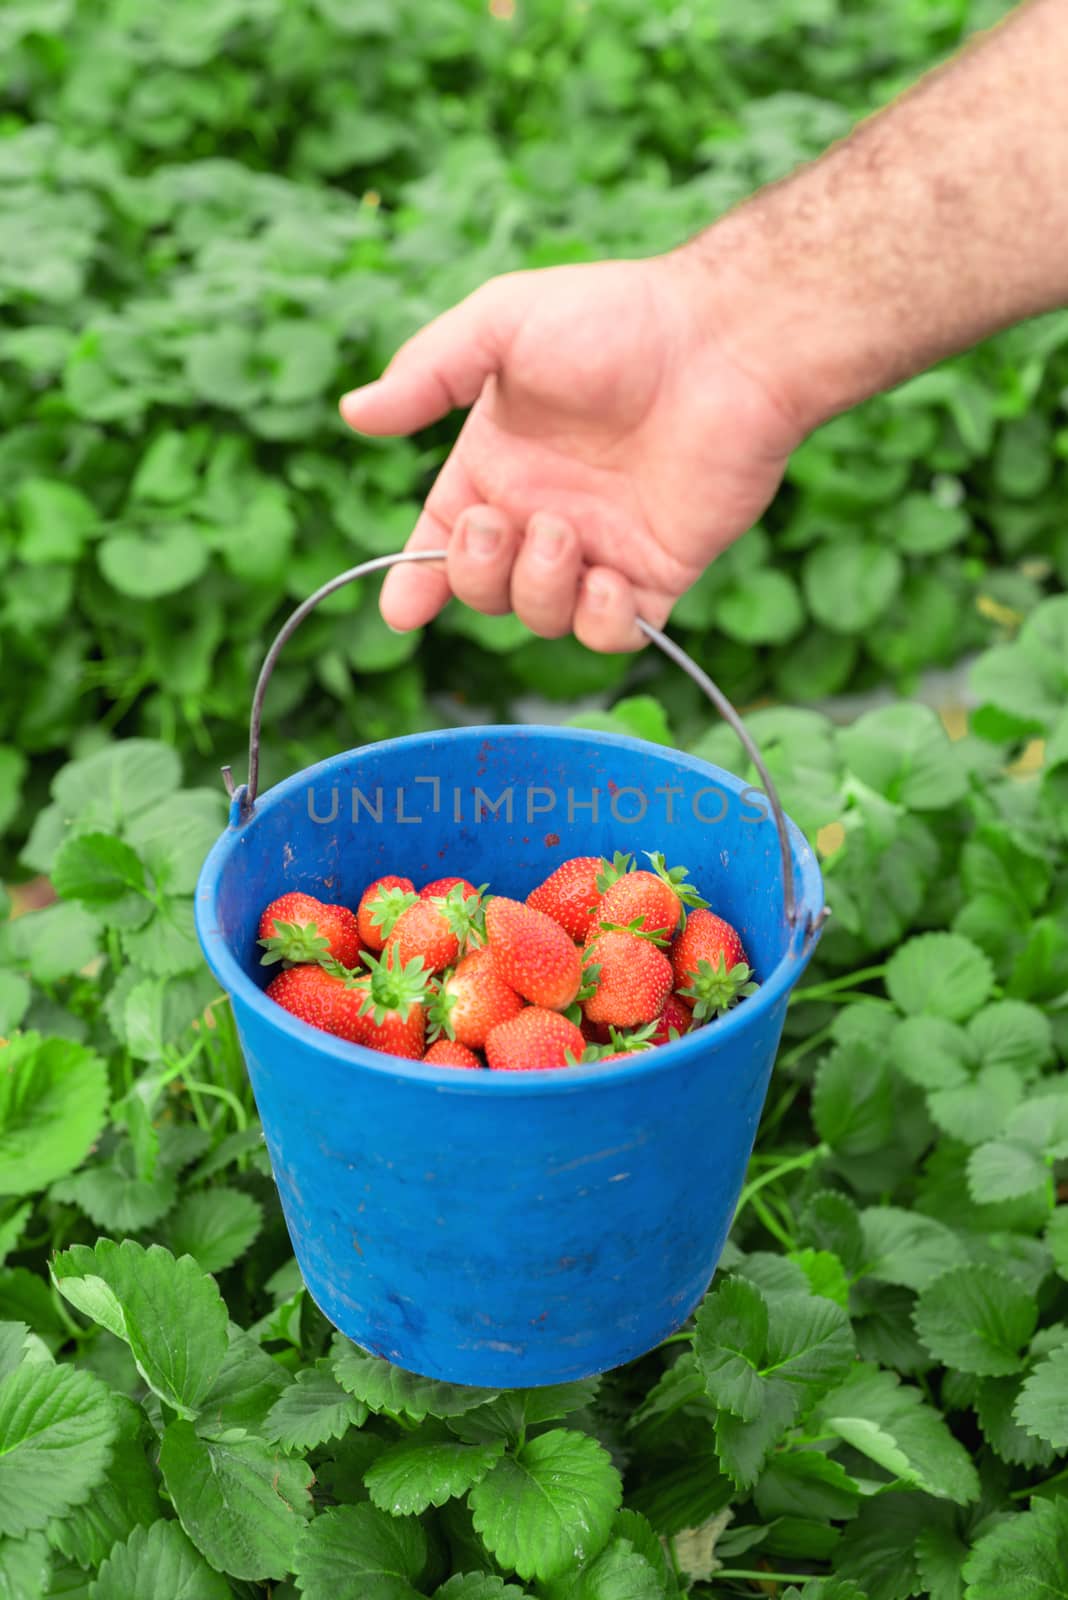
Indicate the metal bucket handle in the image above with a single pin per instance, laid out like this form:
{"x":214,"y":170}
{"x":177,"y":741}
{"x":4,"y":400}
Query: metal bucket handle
{"x":244,"y":796}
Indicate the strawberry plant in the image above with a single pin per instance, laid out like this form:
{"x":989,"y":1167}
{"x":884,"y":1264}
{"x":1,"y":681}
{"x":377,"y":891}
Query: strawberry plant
{"x":189,"y":281}
{"x":868,"y":1404}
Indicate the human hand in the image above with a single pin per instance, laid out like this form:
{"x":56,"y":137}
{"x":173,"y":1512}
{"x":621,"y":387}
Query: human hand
{"x":617,"y":443}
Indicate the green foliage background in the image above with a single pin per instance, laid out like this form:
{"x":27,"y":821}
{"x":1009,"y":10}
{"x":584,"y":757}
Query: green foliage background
{"x":214,"y":215}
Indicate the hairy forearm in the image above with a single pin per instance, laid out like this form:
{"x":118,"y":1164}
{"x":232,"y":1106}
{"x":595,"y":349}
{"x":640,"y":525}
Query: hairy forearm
{"x":937,"y":222}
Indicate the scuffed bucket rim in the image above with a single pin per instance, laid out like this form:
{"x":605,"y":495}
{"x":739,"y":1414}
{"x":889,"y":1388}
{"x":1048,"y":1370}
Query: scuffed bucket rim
{"x":538,"y":1080}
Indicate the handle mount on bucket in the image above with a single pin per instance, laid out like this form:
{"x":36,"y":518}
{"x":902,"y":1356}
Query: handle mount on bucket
{"x":244,"y":797}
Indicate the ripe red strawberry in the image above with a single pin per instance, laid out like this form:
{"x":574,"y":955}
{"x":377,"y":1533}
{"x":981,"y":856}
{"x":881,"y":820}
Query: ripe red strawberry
{"x":440,"y":887}
{"x":380,"y":905}
{"x":537,"y":1037}
{"x":447,"y":1053}
{"x":532,"y":953}
{"x":676,"y":1016}
{"x":383,"y":1009}
{"x":310,"y":993}
{"x":572,"y":893}
{"x":437,"y":930}
{"x":711,"y":968}
{"x":298,"y":928}
{"x":631,"y":979}
{"x":654,"y":901}
{"x":473,"y":999}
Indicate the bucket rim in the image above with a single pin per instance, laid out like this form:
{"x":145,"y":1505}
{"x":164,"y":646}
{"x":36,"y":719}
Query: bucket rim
{"x":237,"y":983}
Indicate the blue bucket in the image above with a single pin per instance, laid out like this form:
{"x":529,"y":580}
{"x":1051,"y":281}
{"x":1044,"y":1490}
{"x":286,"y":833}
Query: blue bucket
{"x":507,"y":1229}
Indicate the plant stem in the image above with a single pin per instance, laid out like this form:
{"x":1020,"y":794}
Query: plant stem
{"x":762,"y":1577}
{"x":196,"y":1087}
{"x":676,"y":1338}
{"x":813,"y":1042}
{"x":849,"y":980}
{"x":808,"y":1158}
{"x":774,"y":1227}
{"x":1033,"y":1488}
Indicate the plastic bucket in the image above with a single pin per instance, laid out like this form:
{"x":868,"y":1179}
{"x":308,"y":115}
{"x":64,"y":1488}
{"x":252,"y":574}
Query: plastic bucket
{"x":493,"y":1228}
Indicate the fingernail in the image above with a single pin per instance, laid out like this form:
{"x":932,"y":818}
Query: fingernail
{"x":547,"y":540}
{"x":598,"y":593}
{"x":481,"y":536}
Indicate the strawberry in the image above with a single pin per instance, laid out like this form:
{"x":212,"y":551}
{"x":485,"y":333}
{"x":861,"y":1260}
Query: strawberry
{"x":655,"y":900}
{"x":711,"y":969}
{"x":630,"y":977}
{"x":380,"y":905}
{"x":383,"y":1008}
{"x":310,"y":993}
{"x":676,"y":1018}
{"x":571,"y":894}
{"x":447,"y":1053}
{"x":437,"y":930}
{"x":472,"y":999}
{"x":537,"y":1037}
{"x":298,"y":928}
{"x":532,"y":953}
{"x":441,"y":886}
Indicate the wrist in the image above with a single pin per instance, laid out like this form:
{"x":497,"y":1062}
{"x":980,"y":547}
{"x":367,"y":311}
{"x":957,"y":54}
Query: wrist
{"x":762,"y":306}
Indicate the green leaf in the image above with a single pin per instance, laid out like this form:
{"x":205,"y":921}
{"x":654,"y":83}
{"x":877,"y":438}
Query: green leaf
{"x":175,"y":835}
{"x":995,"y":1406}
{"x":56,"y":1432}
{"x":245,"y":1390}
{"x":116,"y":783}
{"x":384,"y":1387}
{"x":804,"y":1483}
{"x":168,"y":1311}
{"x":1029,"y":678}
{"x":125,"y":1499}
{"x":56,"y":520}
{"x":969,"y":1110}
{"x":890,"y":1423}
{"x":830,"y":1221}
{"x":477,"y":1586}
{"x":106,"y":876}
{"x":549,"y":1505}
{"x":157,"y":1561}
{"x":1011,"y":1033}
{"x":941,"y":975}
{"x":241,"y":1502}
{"x":619,"y":1573}
{"x":877,"y":1548}
{"x":976,"y":1322}
{"x":149,"y":568}
{"x":53,"y":1102}
{"x":356,"y":1550}
{"x":169,"y":470}
{"x":765,"y":1360}
{"x":510,"y":1414}
{"x":904,"y":753}
{"x":1042,"y":1408}
{"x":426,"y":1469}
{"x":848,"y":585}
{"x":1057,"y":1239}
{"x":764,"y":607}
{"x":24,"y":1568}
{"x":114,"y":1197}
{"x":907,"y":1248}
{"x":302,"y":357}
{"x":14,"y":1001}
{"x":214,"y":1226}
{"x":56,"y":942}
{"x":920,"y":525}
{"x":312,"y":1409}
{"x":1005,"y":1170}
{"x":1025,"y":1556}
{"x":167,"y":945}
{"x":853,"y":1106}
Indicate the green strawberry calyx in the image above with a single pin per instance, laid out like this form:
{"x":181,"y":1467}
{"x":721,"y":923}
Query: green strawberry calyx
{"x":440,"y":1008}
{"x":390,"y":988}
{"x":611,"y":871}
{"x":675,"y":877}
{"x":465,"y":915}
{"x":387,"y":906}
{"x":295,"y":943}
{"x":655,"y":936}
{"x":715,"y":988}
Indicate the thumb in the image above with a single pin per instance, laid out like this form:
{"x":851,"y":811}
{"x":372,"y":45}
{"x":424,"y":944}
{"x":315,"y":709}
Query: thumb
{"x":444,"y":365}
